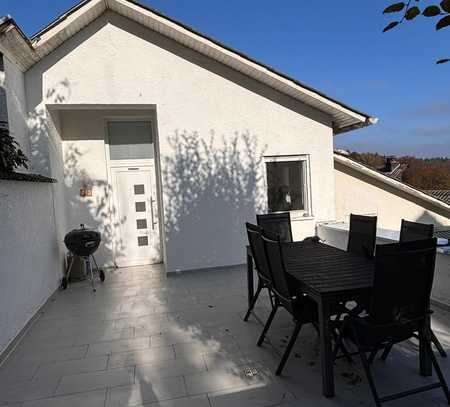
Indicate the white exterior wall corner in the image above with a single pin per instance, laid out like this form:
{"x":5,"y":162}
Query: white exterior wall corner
{"x":359,"y":193}
{"x":16,"y":104}
{"x":115,"y":61}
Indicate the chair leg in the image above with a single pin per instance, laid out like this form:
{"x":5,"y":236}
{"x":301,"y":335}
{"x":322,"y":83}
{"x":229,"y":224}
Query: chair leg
{"x":267,"y":325}
{"x":339,"y":344}
{"x":254,"y":299}
{"x":288,"y":350}
{"x":438,"y":345}
{"x":372,"y":356}
{"x":438,"y":371}
{"x":386,"y":352}
{"x":369,"y":376}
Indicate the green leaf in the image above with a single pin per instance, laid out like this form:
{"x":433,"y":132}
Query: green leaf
{"x":443,"y":61}
{"x":431,"y":11}
{"x":391,"y":25}
{"x":443,"y":22}
{"x":394,"y":8}
{"x":412,"y":13}
{"x":445,"y":4}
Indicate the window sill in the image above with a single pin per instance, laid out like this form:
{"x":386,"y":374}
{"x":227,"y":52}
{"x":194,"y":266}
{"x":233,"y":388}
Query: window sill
{"x":295,"y":218}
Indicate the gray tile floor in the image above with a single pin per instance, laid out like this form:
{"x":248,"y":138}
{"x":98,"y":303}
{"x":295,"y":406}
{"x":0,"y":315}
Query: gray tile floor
{"x":144,"y":339}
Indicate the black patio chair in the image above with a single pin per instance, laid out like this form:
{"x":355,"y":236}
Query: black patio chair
{"x":276,"y":224}
{"x":362,"y":238}
{"x":396,"y":313}
{"x":362,"y":235}
{"x":302,"y":308}
{"x":262,"y":269}
{"x":411,"y":231}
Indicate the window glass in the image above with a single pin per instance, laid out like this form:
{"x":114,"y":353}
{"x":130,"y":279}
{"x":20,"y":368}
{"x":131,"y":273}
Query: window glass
{"x":285,"y":185}
{"x":130,"y":140}
{"x":139,"y":189}
{"x":140,"y":206}
{"x":141,"y":223}
{"x":142,"y":241}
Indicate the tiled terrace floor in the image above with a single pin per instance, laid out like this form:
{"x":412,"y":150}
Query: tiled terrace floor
{"x":144,"y":339}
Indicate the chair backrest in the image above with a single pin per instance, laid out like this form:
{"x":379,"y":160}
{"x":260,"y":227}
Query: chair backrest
{"x":277,"y":269}
{"x":362,"y":235}
{"x":403,"y":280}
{"x":276,"y":224}
{"x":257,"y":247}
{"x":410,"y":231}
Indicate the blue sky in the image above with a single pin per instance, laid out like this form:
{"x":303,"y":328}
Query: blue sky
{"x":337,"y":47}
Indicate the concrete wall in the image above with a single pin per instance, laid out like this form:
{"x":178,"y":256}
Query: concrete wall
{"x":357,"y":193}
{"x":29,"y":270}
{"x":210,"y":187}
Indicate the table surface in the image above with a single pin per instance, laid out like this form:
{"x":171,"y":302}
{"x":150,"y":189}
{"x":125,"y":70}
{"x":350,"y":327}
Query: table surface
{"x":326,"y":269}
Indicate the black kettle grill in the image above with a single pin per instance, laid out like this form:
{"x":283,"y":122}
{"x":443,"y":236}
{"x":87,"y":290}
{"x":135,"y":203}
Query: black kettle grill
{"x":83,"y":243}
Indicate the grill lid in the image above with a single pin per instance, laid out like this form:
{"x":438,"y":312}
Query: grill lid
{"x":82,"y":241}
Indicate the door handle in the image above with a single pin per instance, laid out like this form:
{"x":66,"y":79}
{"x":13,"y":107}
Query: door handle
{"x":152,"y":214}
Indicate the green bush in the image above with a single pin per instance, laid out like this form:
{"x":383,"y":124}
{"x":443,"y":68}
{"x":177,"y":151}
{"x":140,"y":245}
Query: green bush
{"x":11,"y":156}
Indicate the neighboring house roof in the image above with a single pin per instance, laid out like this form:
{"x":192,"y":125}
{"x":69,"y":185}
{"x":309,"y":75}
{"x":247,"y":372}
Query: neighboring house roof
{"x":441,"y":194}
{"x":28,"y":51}
{"x":401,"y":186}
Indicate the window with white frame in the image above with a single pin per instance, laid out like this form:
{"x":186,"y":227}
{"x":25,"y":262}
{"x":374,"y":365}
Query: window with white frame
{"x":288,"y":184}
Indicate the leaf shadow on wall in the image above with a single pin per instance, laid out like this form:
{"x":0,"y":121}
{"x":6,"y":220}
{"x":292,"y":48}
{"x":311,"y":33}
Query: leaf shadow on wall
{"x":212,"y":186}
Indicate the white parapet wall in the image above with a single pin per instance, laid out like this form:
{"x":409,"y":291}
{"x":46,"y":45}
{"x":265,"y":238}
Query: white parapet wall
{"x":29,"y":272}
{"x":336,"y":234}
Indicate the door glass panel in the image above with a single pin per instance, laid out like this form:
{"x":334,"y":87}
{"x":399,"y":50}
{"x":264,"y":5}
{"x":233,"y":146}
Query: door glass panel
{"x":142,"y":241}
{"x":139,"y":189}
{"x":130,"y":140}
{"x":140,"y":206}
{"x":141,"y":223}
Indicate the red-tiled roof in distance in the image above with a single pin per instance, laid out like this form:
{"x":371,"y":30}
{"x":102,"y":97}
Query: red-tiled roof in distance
{"x":441,"y":194}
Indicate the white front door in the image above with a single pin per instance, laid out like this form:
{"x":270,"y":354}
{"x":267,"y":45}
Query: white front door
{"x":135,"y":216}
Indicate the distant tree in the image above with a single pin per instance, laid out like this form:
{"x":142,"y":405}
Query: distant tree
{"x":426,"y":174}
{"x":422,"y":173}
{"x":411,"y":9}
{"x":374,"y":160}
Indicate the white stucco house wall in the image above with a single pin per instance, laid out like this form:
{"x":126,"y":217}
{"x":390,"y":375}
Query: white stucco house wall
{"x":164,"y":140}
{"x":117,"y":61}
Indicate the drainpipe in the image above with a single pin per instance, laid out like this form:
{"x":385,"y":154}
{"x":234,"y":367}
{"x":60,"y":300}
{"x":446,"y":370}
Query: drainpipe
{"x":3,"y":104}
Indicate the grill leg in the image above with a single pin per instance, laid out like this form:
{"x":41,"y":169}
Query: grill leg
{"x":89,"y":272}
{"x":95,"y":262}
{"x":69,"y":269}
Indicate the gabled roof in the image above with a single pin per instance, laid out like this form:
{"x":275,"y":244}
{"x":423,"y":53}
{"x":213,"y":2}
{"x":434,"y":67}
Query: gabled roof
{"x":28,"y":51}
{"x":401,"y":186}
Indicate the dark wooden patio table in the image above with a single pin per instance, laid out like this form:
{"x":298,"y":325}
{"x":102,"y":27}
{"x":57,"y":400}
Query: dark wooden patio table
{"x":329,"y":276}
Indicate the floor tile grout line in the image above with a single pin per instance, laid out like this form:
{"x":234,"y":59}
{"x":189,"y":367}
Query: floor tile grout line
{"x":54,"y":396}
{"x":185,"y":385}
{"x":106,"y":397}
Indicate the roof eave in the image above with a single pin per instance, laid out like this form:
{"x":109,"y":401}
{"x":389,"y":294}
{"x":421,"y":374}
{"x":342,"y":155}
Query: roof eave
{"x":370,"y":121}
